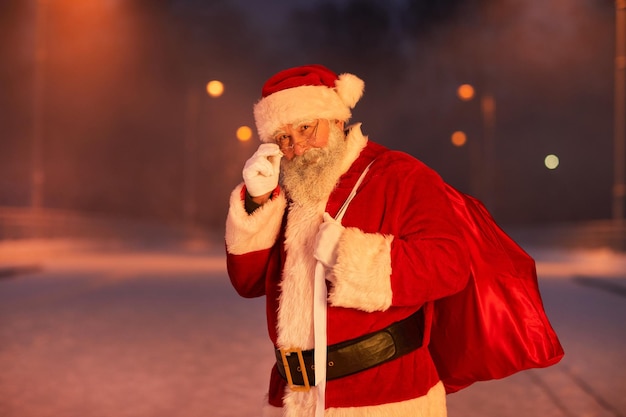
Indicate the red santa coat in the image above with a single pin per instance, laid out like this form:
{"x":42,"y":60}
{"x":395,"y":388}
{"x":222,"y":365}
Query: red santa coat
{"x":401,"y":249}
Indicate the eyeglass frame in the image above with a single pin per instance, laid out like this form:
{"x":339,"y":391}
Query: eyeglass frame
{"x":281,"y":137}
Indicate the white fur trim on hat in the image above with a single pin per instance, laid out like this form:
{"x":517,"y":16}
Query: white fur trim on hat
{"x":306,"y":103}
{"x":350,"y":88}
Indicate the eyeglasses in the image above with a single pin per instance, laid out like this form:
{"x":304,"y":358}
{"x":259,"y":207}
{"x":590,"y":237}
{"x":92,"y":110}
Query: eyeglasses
{"x":304,"y":134}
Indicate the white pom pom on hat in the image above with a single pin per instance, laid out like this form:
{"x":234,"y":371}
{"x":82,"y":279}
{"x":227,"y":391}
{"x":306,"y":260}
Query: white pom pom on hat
{"x":304,"y":93}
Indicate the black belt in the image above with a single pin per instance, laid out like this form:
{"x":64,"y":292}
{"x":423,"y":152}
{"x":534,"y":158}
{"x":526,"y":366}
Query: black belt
{"x":355,"y":355}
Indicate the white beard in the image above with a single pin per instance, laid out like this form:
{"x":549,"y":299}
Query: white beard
{"x":311,"y":177}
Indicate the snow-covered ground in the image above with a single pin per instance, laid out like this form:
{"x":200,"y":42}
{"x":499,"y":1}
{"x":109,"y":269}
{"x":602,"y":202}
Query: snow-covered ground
{"x":95,"y":329}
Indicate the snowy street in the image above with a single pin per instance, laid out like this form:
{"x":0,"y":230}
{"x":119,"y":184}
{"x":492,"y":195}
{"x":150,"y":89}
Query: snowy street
{"x":99,"y":331}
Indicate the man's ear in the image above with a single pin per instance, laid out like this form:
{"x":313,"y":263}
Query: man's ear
{"x":340,"y":124}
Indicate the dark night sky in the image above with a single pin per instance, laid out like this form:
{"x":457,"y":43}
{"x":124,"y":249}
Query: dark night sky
{"x":123,"y":94}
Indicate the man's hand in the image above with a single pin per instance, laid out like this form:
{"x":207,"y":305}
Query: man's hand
{"x":260,"y":173}
{"x":327,"y":240}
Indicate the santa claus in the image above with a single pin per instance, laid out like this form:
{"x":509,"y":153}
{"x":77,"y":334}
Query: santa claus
{"x":350,"y":243}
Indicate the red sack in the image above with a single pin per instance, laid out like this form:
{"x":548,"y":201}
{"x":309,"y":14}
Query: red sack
{"x":497,"y":325}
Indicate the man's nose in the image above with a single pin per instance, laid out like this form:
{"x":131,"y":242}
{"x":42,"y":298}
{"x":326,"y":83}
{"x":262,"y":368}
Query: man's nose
{"x":300,"y":148}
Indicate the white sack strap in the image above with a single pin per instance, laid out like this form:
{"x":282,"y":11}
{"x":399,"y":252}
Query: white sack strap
{"x":346,"y":203}
{"x":320,"y":298}
{"x":319,"y":330}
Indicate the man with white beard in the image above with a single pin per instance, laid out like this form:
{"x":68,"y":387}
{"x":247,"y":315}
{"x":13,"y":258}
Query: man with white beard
{"x":319,"y":196}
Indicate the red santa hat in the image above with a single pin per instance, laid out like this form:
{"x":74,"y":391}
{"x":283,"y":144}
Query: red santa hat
{"x":305,"y":93}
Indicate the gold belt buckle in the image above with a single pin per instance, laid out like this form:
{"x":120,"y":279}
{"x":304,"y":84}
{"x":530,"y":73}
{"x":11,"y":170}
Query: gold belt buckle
{"x":305,"y":376}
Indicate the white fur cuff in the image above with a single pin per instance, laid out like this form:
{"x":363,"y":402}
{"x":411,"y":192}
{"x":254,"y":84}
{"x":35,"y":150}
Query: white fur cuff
{"x":251,"y":232}
{"x":363,"y":271}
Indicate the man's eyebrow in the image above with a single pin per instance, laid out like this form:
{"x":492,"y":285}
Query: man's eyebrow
{"x":304,"y":122}
{"x":280,"y":132}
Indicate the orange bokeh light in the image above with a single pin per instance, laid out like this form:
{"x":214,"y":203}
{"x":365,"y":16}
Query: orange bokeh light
{"x":465,"y":92}
{"x":244,"y":133}
{"x":459,"y":138}
{"x":215,"y":88}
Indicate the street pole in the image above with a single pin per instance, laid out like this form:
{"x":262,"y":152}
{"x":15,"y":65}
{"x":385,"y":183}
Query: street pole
{"x":37,"y":170}
{"x":488,"y":110}
{"x":619,"y":184}
{"x":190,"y":157}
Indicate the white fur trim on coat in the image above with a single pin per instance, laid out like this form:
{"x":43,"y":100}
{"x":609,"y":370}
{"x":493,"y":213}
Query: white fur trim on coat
{"x":295,"y":314}
{"x":433,"y":404}
{"x":251,"y":232}
{"x":362,"y":274}
{"x":356,"y":143}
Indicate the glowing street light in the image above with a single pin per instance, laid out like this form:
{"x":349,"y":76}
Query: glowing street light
{"x":551,"y":161}
{"x":459,"y":138}
{"x":465,"y":92}
{"x":244,"y":133}
{"x":215,"y":88}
